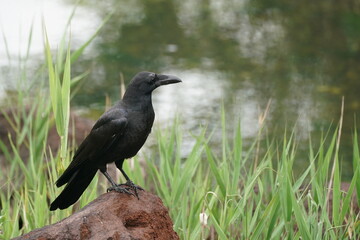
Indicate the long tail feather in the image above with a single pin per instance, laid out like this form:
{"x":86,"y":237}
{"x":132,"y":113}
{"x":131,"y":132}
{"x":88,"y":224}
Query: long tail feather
{"x":74,"y":189}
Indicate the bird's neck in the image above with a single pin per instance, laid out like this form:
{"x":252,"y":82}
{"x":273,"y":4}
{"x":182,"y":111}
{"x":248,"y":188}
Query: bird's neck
{"x":141,"y":103}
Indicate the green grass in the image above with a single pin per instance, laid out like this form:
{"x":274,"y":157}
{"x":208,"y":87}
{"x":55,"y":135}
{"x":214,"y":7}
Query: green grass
{"x":245,"y":193}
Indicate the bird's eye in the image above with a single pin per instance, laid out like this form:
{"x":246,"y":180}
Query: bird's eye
{"x":152,"y":78}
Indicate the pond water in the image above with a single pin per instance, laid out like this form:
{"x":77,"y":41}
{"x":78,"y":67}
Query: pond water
{"x":302,"y":56}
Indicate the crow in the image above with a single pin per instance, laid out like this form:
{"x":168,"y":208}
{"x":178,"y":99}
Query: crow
{"x":118,"y":134}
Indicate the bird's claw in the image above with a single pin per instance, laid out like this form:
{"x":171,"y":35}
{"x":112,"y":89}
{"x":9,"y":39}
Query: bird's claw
{"x":132,"y":186}
{"x":120,"y":189}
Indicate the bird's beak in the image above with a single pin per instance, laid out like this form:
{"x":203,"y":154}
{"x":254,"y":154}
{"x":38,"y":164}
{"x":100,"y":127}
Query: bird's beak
{"x":166,"y":79}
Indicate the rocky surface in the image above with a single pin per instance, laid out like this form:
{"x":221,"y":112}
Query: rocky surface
{"x":113,"y":216}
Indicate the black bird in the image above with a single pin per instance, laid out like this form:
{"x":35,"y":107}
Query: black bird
{"x":117,"y":135}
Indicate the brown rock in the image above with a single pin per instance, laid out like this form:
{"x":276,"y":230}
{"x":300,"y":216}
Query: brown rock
{"x":113,"y":216}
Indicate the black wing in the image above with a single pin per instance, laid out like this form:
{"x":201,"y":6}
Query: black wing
{"x":106,"y":131}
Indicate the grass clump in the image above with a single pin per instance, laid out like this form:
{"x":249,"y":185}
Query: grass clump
{"x":244,"y":201}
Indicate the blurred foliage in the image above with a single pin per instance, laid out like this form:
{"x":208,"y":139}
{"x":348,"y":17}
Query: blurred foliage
{"x":302,"y":55}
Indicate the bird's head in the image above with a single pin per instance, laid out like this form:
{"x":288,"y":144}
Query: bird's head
{"x":145,"y":82}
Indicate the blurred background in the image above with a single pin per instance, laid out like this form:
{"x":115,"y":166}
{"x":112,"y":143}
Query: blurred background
{"x":299,"y":56}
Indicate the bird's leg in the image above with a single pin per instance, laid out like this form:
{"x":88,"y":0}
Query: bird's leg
{"x":128,"y":183}
{"x":114,"y":186}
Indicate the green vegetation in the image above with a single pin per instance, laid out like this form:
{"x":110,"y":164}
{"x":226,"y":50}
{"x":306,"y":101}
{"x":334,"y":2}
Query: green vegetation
{"x":234,"y":195}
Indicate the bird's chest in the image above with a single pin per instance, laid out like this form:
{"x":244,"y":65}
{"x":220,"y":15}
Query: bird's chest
{"x":137,"y":131}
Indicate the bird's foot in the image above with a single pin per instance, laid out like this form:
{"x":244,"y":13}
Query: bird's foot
{"x":132,"y":186}
{"x":120,"y":189}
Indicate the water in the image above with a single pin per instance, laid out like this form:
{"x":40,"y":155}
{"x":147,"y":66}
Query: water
{"x":302,"y":56}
